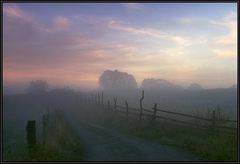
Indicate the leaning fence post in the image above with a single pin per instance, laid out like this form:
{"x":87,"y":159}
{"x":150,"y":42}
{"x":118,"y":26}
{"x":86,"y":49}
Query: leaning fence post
{"x":213,"y":121}
{"x":115,"y":103}
{"x":126,"y":108}
{"x":141,"y":108}
{"x":155,"y":111}
{"x":108,"y":105}
{"x":31,"y":137}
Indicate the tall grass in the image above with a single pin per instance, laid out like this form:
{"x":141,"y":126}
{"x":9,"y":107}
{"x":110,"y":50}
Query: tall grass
{"x":62,"y":144}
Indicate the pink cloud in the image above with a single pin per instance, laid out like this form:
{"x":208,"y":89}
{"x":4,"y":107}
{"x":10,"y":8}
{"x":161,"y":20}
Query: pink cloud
{"x":13,"y":11}
{"x":26,"y":40}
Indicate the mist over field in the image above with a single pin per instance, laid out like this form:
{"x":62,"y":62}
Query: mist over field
{"x":122,"y":85}
{"x":37,"y":98}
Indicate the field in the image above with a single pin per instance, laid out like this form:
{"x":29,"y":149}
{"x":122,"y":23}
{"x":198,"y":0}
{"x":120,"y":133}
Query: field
{"x":63,"y":143}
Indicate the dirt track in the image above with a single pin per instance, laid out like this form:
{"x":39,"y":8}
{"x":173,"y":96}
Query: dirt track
{"x":104,"y":144}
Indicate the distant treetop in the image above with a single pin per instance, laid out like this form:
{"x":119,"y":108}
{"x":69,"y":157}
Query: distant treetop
{"x":37,"y":86}
{"x":117,"y":80}
{"x":195,"y":86}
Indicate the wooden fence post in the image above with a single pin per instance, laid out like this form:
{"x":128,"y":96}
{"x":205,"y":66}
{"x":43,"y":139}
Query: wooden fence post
{"x":126,"y":108}
{"x":102,"y":101}
{"x":79,"y":98}
{"x":47,"y":119}
{"x":108,"y":105}
{"x":98,"y":99}
{"x":141,"y":108}
{"x":115,"y":103}
{"x":95,"y":99}
{"x":92,"y":97}
{"x":155,"y":111}
{"x":89,"y":99}
{"x":31,"y":137}
{"x":44,"y":129}
{"x":213,"y":121}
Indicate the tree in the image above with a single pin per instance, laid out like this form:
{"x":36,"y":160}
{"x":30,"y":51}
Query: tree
{"x":37,"y":86}
{"x":117,"y":80}
{"x":195,"y":86}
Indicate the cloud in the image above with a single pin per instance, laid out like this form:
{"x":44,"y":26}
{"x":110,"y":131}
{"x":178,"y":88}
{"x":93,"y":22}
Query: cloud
{"x":15,"y":16}
{"x":25,"y":42}
{"x":33,"y":50}
{"x":183,"y":41}
{"x":27,"y":39}
{"x":119,"y":25}
{"x":14,"y":11}
{"x":18,"y":26}
{"x":224,"y":53}
{"x":150,"y":32}
{"x":115,"y":24}
{"x":75,"y":53}
{"x":229,"y":22}
{"x":226,"y":45}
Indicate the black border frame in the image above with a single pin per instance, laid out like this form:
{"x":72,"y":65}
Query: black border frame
{"x":118,"y":1}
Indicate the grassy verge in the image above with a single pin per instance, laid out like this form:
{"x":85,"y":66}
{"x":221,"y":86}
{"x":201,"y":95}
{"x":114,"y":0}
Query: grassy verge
{"x":221,"y":147}
{"x":62,"y":144}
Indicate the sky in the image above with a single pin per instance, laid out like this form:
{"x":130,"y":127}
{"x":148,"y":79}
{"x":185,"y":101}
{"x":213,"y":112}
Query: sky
{"x":71,"y":44}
